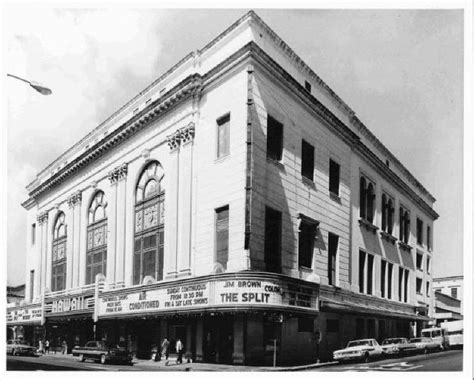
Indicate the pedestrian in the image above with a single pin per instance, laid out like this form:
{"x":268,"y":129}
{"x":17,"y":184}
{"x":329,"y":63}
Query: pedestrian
{"x":165,"y":348}
{"x":41,"y":347}
{"x":64,"y":347}
{"x":179,"y":351}
{"x":46,"y":346}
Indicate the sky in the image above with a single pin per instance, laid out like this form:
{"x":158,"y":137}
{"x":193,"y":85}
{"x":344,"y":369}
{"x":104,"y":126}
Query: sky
{"x":401,"y":71}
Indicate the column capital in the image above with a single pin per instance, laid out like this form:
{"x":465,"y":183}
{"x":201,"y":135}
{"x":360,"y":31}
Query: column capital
{"x":187,"y":133}
{"x":173,"y":140}
{"x":42,"y":217}
{"x":118,"y":173}
{"x":74,"y":199}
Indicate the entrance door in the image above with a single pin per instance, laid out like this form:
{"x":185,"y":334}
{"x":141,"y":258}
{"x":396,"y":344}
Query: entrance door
{"x":218,"y":340}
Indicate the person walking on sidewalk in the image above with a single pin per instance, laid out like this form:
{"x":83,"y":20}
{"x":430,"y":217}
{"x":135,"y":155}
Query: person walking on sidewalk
{"x":46,"y":346}
{"x":165,"y":348}
{"x":179,"y":351}
{"x":64,"y":347}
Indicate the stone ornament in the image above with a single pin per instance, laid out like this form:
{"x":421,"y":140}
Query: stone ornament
{"x":118,"y":173}
{"x":182,"y":136}
{"x":42,"y":217}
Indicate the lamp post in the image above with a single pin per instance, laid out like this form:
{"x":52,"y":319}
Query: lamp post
{"x":38,"y":87}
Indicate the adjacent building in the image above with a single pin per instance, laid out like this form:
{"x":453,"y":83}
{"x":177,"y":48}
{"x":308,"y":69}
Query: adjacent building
{"x":449,"y":298}
{"x":236,"y":203}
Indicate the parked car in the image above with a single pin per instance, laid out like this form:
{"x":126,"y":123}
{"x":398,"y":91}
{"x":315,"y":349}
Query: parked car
{"x":103,"y":352}
{"x":423,"y":345}
{"x":364,"y":350}
{"x":396,"y":346}
{"x":19,"y":347}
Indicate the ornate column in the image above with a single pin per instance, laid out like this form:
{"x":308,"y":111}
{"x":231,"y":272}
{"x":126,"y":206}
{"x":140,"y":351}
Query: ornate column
{"x":81,"y":222}
{"x":71,"y":201}
{"x":47,"y":244}
{"x":111,"y":227}
{"x":42,"y":254}
{"x":119,"y":177}
{"x":185,"y":200}
{"x":171,"y":206}
{"x":77,"y":238}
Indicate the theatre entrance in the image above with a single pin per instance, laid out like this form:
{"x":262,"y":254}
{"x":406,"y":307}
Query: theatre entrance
{"x":218,"y":339}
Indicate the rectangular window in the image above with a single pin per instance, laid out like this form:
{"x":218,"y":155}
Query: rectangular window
{"x":307,"y":85}
{"x":305,"y":324}
{"x":383,"y":273}
{"x":405,"y":289}
{"x":272,"y":240}
{"x":274,"y":139}
{"x":389,"y":280}
{"x":419,"y":285}
{"x":428,"y":238}
{"x":361,"y":271}
{"x":332,"y":325}
{"x":419,"y":231}
{"x":401,"y":271}
{"x":33,"y":233}
{"x":223,"y":136}
{"x":306,"y":238}
{"x":32,"y":284}
{"x":404,"y":224}
{"x":387,"y":213}
{"x":454,"y":292}
{"x":428,"y":264}
{"x":366,"y":199}
{"x":307,"y":160}
{"x":222,"y":236}
{"x":333,"y":243}
{"x":427,"y":288}
{"x":419,"y":261}
{"x":370,"y":273}
{"x":334,"y":172}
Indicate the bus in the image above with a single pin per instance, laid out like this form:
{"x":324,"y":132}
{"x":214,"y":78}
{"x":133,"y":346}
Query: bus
{"x":455,"y":333}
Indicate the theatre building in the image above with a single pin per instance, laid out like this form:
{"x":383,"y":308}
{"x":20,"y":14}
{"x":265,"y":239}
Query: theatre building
{"x":236,"y":203}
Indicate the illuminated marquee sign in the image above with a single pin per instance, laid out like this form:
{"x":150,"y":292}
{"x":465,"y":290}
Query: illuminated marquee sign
{"x":70,"y":304}
{"x":239,"y":292}
{"x":25,"y":315}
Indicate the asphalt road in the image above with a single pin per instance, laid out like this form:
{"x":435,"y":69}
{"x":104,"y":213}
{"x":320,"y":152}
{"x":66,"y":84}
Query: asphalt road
{"x":438,"y":361}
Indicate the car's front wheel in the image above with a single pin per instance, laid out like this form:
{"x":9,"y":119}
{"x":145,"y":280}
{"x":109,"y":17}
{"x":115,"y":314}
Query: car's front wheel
{"x":102,"y":359}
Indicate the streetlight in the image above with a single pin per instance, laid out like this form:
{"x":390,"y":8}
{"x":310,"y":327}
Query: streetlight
{"x":38,"y":87}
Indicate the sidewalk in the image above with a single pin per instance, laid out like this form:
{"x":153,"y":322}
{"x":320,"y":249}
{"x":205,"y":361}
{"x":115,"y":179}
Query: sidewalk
{"x":170,"y":365}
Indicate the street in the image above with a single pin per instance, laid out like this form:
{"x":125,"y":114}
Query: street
{"x":440,"y":361}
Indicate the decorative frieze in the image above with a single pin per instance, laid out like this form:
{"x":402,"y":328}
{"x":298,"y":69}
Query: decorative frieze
{"x":181,"y":136}
{"x":118,"y":173}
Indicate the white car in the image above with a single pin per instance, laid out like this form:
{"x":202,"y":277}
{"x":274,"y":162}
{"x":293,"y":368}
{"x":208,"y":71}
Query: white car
{"x":396,"y":346}
{"x":363,"y":349}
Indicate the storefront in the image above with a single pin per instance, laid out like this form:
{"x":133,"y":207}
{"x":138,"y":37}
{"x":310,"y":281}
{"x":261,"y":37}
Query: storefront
{"x":69,"y":319}
{"x":226,"y":318}
{"x":24,"y":323}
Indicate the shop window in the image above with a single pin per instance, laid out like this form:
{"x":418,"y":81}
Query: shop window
{"x":387,"y":213}
{"x":272,"y":249}
{"x":149,"y":224}
{"x":223,"y":136}
{"x":222,"y":236}
{"x":419,"y":231}
{"x":306,"y":236}
{"x":58,"y":268}
{"x":367,"y":199}
{"x":96,"y":257}
{"x":305,"y":324}
{"x":404,"y":224}
{"x":332,"y":326}
{"x":419,"y":261}
{"x":307,"y":160}
{"x":333,"y":242}
{"x":274,"y":139}
{"x":454,"y":292}
{"x":334,"y":173}
{"x":419,"y":285}
{"x":371,"y":327}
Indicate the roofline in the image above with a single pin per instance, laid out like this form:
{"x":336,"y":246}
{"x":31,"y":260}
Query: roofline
{"x":449,"y":278}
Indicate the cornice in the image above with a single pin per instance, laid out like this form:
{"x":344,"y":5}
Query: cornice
{"x":182,"y":91}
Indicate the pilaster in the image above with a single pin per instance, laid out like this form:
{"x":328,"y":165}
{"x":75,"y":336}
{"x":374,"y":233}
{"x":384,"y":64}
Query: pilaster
{"x":111,"y":229}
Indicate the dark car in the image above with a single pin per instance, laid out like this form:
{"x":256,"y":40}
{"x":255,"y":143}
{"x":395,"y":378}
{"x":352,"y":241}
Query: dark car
{"x":19,"y":347}
{"x":103,"y":352}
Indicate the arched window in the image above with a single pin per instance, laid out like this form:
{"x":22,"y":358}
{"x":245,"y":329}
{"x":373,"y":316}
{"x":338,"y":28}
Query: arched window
{"x":149,"y":224}
{"x":367,"y":199}
{"x":58,"y":270}
{"x":96,"y":258}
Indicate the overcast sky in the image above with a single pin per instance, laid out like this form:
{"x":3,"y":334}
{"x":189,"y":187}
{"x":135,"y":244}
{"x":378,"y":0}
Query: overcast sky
{"x":400,"y":71}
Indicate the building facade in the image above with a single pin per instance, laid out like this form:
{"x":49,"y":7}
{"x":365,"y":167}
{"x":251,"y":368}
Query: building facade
{"x":236,"y":203}
{"x":452,"y":286}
